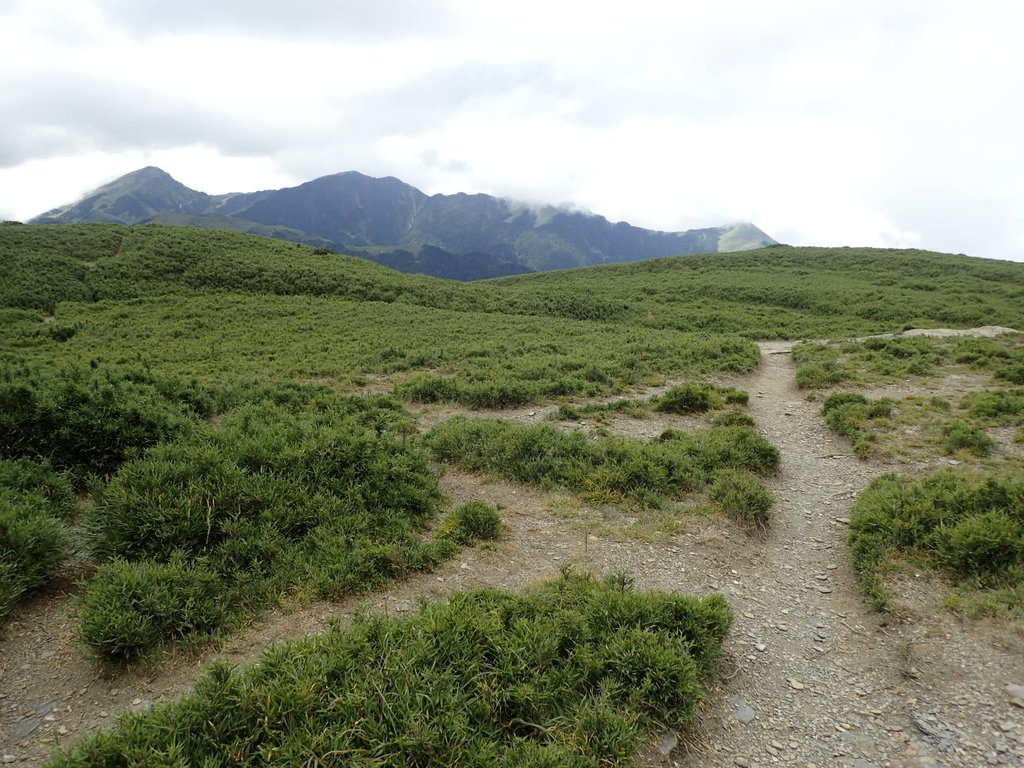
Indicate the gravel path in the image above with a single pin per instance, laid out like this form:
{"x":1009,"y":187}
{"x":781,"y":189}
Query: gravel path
{"x":817,"y":681}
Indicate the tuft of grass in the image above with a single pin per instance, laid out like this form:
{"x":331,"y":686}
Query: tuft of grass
{"x":474,"y":520}
{"x":576,"y":672}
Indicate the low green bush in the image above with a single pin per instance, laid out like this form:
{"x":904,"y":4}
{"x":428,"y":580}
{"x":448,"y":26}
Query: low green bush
{"x":687,"y":398}
{"x":134,"y":607}
{"x":970,"y":526}
{"x":1012,"y":373}
{"x":89,"y":421}
{"x":574,"y":673}
{"x":473,"y":520}
{"x":852,"y":416}
{"x":820,"y":375}
{"x":1001,"y":406}
{"x":31,"y":476}
{"x":733,"y":419}
{"x":959,"y":435}
{"x":838,"y":399}
{"x":818,"y":366}
{"x":34,"y":543}
{"x":35,"y":504}
{"x":743,"y":497}
{"x":730,"y":447}
{"x":698,"y":397}
{"x":981,"y":547}
{"x":636,"y":409}
{"x":980,"y":352}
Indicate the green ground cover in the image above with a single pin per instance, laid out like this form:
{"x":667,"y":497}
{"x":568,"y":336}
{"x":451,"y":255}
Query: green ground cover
{"x":36,"y":504}
{"x":574,"y":673}
{"x":431,"y":354}
{"x":970,"y":527}
{"x":886,"y":360}
{"x":202,"y":531}
{"x":612,"y":469}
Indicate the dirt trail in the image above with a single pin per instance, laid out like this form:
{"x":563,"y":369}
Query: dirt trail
{"x":817,"y":681}
{"x":812,"y":679}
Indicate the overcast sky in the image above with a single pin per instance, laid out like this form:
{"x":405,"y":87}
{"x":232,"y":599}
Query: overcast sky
{"x":862,"y":122}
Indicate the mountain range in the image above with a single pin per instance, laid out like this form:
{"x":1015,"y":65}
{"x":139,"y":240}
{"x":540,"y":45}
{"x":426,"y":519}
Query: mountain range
{"x":460,"y":236}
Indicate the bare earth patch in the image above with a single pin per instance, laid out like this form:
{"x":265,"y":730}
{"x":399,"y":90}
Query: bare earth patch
{"x":812,"y":678}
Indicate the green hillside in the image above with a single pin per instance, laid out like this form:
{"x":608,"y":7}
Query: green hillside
{"x":784,"y":292}
{"x":226,"y":307}
{"x":775,"y":292}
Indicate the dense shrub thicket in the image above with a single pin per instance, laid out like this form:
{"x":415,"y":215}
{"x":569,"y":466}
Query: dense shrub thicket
{"x":325,"y":495}
{"x":970,"y":527}
{"x":88,"y":421}
{"x":35,"y":505}
{"x":574,"y":673}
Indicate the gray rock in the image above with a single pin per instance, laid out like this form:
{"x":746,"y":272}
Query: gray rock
{"x":668,"y":742}
{"x":857,"y":762}
{"x":1016,"y":694}
{"x":741,"y":710}
{"x":28,"y":724}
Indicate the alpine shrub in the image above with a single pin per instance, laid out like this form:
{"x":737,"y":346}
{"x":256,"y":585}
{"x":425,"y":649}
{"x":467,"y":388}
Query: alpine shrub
{"x":573,"y":673}
{"x":970,"y":526}
{"x":474,"y":520}
{"x":131,"y":608}
{"x":34,"y":544}
{"x":687,"y":398}
{"x":743,"y":497}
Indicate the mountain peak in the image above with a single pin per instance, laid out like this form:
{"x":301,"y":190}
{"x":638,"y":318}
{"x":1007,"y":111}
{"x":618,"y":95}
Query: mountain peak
{"x":136,"y":197}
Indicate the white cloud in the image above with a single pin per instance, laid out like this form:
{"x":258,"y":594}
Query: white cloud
{"x":875,"y":123}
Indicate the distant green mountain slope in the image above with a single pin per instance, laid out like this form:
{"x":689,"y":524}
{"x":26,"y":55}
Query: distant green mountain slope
{"x":458,"y":236}
{"x":768,"y":293}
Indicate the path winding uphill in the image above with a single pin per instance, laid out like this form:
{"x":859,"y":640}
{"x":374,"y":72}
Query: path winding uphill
{"x":817,"y":681}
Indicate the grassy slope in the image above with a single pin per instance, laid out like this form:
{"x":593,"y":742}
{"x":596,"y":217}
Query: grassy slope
{"x":773,"y":292}
{"x":224,"y":305}
{"x":790,"y":292}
